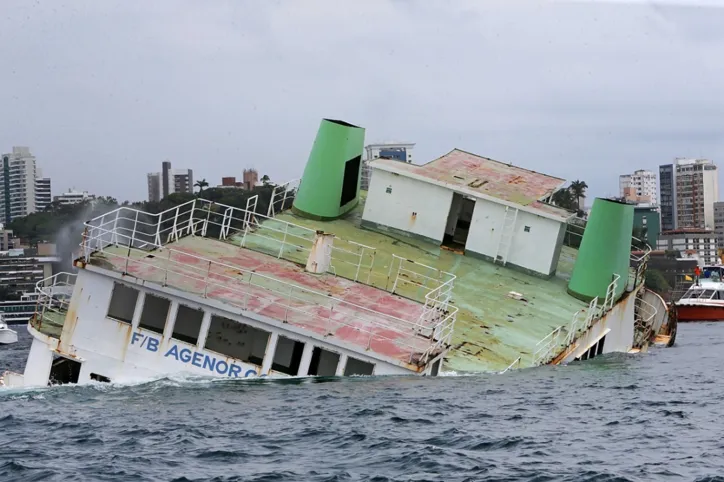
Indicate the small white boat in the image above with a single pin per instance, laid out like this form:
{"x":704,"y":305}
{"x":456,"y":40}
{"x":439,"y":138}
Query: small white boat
{"x":7,"y":335}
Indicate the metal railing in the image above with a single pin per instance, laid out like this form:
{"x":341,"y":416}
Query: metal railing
{"x":644,"y":313}
{"x":561,"y":338}
{"x":53,"y":299}
{"x":516,"y":362}
{"x":280,"y":195}
{"x":137,"y":233}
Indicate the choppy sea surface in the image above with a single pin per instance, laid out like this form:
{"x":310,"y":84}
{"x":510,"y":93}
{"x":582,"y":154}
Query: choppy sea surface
{"x":656,"y":416}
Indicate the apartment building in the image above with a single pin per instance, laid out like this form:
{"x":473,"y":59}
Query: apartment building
{"x":168,"y":181}
{"x":639,"y":187}
{"x":689,"y":188}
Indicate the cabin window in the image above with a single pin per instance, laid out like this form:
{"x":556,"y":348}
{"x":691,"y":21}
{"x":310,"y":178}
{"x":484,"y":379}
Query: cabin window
{"x":99,"y":378}
{"x":324,"y":363}
{"x":358,"y":367}
{"x":350,"y":181}
{"x":154,"y":313}
{"x":287,"y":356}
{"x":123,"y":303}
{"x":188,"y":324}
{"x":526,"y":229}
{"x":388,"y":190}
{"x":237,"y":340}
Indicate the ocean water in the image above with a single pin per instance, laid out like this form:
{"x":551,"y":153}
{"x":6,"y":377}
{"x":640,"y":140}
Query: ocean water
{"x":656,"y":416}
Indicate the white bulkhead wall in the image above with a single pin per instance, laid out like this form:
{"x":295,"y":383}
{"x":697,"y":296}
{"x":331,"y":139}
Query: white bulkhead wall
{"x":537,"y":249}
{"x":114,"y":349}
{"x":413,"y":206}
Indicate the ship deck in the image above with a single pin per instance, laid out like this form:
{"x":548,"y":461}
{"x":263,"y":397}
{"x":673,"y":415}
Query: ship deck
{"x":356,"y":314}
{"x":492,"y":330}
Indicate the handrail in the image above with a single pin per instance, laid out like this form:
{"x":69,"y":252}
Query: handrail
{"x":517,"y":360}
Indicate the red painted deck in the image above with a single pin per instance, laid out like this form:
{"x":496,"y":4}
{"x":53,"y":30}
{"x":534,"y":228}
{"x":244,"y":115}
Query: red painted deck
{"x":356,"y":315}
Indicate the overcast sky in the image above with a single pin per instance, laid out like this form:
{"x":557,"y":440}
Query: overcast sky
{"x":104,"y":91}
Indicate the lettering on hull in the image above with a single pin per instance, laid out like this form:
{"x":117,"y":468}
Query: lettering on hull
{"x":188,"y":356}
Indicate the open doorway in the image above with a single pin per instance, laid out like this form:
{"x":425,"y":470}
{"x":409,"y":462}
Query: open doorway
{"x":64,"y":370}
{"x":458,"y":222}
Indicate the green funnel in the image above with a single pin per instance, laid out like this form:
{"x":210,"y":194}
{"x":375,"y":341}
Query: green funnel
{"x":605,"y":250}
{"x":330,"y":185}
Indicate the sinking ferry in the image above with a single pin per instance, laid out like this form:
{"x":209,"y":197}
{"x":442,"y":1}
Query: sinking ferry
{"x":456,"y":265}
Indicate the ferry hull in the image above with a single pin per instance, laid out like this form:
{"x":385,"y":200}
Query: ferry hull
{"x":689,"y":313}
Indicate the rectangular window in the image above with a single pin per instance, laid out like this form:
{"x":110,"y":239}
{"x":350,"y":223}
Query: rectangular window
{"x":154,"y":313}
{"x":358,"y":367}
{"x":287,"y":356}
{"x":237,"y":340}
{"x":188,"y":324}
{"x":324,"y":363}
{"x":123,"y":303}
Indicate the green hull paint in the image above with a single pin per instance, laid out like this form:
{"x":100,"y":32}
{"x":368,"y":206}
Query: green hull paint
{"x":321,"y":189}
{"x":605,"y":250}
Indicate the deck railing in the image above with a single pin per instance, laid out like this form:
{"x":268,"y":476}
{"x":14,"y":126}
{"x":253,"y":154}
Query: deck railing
{"x":561,"y":338}
{"x":138,"y":232}
{"x":53,"y":299}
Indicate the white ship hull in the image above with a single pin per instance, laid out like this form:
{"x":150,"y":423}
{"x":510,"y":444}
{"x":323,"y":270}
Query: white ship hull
{"x":102,"y":349}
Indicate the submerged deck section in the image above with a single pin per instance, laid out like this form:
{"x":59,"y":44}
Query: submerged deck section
{"x":363,"y":316}
{"x":492,"y":329}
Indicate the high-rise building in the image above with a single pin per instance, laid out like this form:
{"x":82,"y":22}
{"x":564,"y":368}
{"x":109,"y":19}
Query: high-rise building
{"x":43,"y":193}
{"x":17,"y":184}
{"x":251,"y":178}
{"x":154,"y":186}
{"x":689,"y":188}
{"x":168,"y":181}
{"x":639,"y":187}
{"x":399,"y":151}
{"x":667,"y":190}
{"x":719,"y":223}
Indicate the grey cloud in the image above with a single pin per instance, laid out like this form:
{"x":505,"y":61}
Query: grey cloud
{"x":104,"y":91}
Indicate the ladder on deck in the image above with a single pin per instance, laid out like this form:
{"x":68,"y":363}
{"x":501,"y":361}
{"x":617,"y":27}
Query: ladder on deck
{"x":507,"y":231}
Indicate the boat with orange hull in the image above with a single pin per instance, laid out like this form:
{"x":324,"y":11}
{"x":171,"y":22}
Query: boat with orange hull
{"x":704,"y":300}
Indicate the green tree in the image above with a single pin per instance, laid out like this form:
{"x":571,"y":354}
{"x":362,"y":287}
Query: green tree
{"x":578,"y":190}
{"x":202,"y":184}
{"x":655,"y":281}
{"x":265,"y":180}
{"x":564,"y":198}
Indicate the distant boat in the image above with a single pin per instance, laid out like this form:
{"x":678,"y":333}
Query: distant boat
{"x":7,"y":335}
{"x":704,"y":300}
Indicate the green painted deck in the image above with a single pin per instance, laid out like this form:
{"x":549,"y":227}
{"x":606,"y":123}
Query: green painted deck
{"x":50,"y":323}
{"x":492,"y":329}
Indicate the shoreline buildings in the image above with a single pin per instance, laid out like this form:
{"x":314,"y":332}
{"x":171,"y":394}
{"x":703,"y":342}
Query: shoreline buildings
{"x":689,"y":188}
{"x":161,"y":184}
{"x":23,"y":190}
{"x":397,"y":151}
